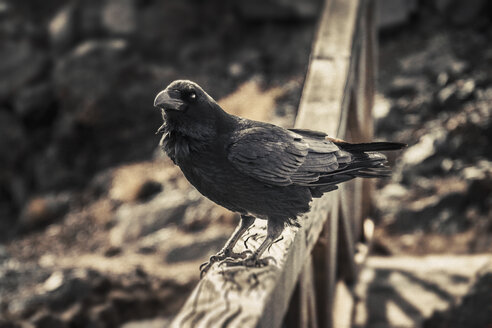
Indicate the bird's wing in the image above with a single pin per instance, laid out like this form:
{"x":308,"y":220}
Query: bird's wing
{"x":324,"y":158}
{"x":353,"y":159}
{"x":271,"y":155}
{"x":281,"y":157}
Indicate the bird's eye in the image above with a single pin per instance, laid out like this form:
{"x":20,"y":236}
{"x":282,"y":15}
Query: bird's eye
{"x":192,"y":95}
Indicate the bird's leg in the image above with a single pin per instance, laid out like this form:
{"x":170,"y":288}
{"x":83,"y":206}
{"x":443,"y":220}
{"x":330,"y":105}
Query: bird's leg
{"x":244,"y":225}
{"x":227,"y":252}
{"x":274,"y":230}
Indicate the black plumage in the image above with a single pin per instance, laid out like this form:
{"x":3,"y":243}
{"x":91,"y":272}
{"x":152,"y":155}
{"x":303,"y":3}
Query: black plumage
{"x":257,"y":169}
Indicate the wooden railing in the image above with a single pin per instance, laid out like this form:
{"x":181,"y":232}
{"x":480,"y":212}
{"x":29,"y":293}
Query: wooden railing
{"x":312,"y":264}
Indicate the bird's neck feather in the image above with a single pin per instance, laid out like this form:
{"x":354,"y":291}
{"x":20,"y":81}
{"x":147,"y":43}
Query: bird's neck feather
{"x":202,"y":129}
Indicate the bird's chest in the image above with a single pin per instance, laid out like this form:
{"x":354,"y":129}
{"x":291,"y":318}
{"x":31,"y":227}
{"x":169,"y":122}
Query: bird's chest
{"x":202,"y":164}
{"x":206,"y":167}
{"x":209,"y":171}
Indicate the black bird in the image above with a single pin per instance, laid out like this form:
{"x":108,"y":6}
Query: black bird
{"x":257,"y":169}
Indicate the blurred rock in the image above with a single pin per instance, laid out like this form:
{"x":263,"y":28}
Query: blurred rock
{"x":20,"y":63}
{"x":119,"y":17}
{"x":36,"y":105}
{"x":195,"y":251}
{"x":148,"y":189}
{"x":136,"y":303}
{"x":105,"y":315}
{"x":47,"y":321}
{"x":13,"y":184}
{"x":466,"y":88}
{"x":73,"y":287}
{"x":84,"y":297}
{"x":436,"y":57}
{"x":136,"y":182}
{"x":99,"y":185}
{"x":12,"y":140}
{"x":16,"y":279}
{"x":155,"y":18}
{"x":405,"y":291}
{"x":51,"y":171}
{"x":137,"y":220}
{"x":43,"y":210}
{"x":460,"y":12}
{"x":88,"y":72}
{"x":406,"y":86}
{"x":149,"y":323}
{"x":278,"y":9}
{"x":203,"y":213}
{"x":147,"y":249}
{"x":4,"y":7}
{"x":3,"y":322}
{"x":97,"y":89}
{"x":56,"y":293}
{"x":89,"y":18}
{"x":74,"y":316}
{"x":455,"y":93}
{"x":479,"y":192}
{"x":62,"y":29}
{"x":390,"y":196}
{"x":424,"y":149}
{"x":112,"y":251}
{"x":392,"y":13}
{"x":480,"y":171}
{"x":469,"y":311}
{"x":3,"y":253}
{"x":53,"y":282}
{"x":446,"y":93}
{"x":158,"y":241}
{"x":92,"y":19}
{"x":440,"y":213}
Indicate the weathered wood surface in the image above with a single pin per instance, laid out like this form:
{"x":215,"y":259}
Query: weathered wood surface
{"x":260,"y":297}
{"x":251,"y":297}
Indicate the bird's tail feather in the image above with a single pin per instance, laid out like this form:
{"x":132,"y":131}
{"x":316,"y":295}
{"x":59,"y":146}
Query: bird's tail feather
{"x":371,"y":146}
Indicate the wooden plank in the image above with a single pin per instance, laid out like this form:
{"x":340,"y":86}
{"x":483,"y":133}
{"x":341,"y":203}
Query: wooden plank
{"x":251,"y":297}
{"x":325,"y":262}
{"x":371,"y":65}
{"x":321,"y":110}
{"x":308,"y":317}
{"x":335,"y":34}
{"x":302,"y":310}
{"x":346,"y":254}
{"x":356,"y":194}
{"x":329,"y":74}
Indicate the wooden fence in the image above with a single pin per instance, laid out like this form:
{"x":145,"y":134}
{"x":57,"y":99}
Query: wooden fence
{"x":313,"y":263}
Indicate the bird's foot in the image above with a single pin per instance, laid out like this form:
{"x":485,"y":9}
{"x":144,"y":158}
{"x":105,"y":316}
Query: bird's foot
{"x":250,"y":262}
{"x":221,"y":256}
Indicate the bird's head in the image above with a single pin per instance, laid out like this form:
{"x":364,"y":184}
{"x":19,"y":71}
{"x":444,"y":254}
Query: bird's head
{"x":184,"y":98}
{"x":190,"y":110}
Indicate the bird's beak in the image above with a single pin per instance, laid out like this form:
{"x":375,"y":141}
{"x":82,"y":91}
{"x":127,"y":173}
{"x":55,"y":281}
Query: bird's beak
{"x":169,"y":100}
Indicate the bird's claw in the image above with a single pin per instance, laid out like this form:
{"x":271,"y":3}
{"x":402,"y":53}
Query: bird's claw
{"x":245,"y":254}
{"x":222,"y":256}
{"x":204,"y":267}
{"x":249,"y":262}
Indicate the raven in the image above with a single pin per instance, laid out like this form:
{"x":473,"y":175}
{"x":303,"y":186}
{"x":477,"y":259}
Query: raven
{"x":256,"y":169}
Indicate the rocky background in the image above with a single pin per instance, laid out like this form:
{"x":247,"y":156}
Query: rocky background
{"x":98,"y":229}
{"x":435,"y":79}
